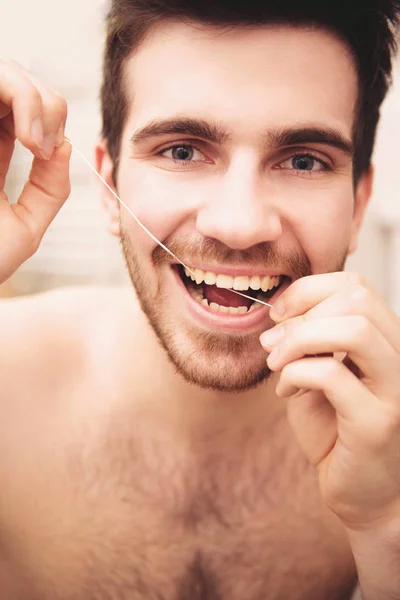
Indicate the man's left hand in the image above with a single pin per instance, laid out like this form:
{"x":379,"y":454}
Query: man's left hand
{"x":344,"y":411}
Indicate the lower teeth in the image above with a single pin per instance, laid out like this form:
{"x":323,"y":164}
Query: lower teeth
{"x":214,"y":307}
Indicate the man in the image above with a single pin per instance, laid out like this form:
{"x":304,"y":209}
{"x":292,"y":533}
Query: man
{"x":173,"y":443}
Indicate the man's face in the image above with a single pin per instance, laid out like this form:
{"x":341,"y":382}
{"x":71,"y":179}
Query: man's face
{"x":234,"y":155}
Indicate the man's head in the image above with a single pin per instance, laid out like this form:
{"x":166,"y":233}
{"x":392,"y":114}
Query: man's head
{"x":242,"y":138}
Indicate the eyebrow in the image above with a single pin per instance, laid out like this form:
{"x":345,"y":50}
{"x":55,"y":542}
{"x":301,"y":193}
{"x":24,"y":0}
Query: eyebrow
{"x":194,"y":127}
{"x":310,"y":135}
{"x":217,"y":134}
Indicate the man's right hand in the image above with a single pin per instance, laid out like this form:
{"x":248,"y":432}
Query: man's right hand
{"x":35,"y":115}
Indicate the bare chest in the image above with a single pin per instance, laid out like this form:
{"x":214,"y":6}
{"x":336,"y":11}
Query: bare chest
{"x":136,"y":521}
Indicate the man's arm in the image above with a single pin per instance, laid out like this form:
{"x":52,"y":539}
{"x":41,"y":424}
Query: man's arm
{"x":346,"y":413}
{"x":377,"y":556}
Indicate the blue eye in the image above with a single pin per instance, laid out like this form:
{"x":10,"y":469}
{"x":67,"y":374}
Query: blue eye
{"x":183,"y":153}
{"x":304,"y":163}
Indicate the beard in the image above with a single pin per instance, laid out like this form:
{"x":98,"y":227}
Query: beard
{"x":219,"y":361}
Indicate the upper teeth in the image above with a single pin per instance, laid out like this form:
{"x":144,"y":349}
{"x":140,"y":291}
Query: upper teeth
{"x":238,"y":283}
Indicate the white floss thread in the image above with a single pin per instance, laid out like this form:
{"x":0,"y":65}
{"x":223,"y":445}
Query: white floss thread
{"x":145,"y":228}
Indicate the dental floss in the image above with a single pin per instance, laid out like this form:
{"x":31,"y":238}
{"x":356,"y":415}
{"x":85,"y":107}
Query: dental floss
{"x":145,"y":228}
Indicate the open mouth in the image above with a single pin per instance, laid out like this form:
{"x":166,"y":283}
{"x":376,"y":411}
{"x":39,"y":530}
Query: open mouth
{"x":215,"y":291}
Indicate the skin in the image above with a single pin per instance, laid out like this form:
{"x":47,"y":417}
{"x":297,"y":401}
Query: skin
{"x":233,"y":196}
{"x":126,"y":454}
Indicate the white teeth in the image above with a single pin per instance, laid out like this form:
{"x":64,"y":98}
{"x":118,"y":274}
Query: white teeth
{"x":255,"y":282}
{"x":210,"y":278}
{"x":224,"y":309}
{"x":240,"y":310}
{"x":265,"y":283}
{"x":224,"y":281}
{"x":199,"y":276}
{"x":218,"y":308}
{"x":195,"y":293}
{"x":241,"y":283}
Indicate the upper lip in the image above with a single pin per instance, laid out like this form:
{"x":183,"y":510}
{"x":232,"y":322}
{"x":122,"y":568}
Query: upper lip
{"x":235,"y":271}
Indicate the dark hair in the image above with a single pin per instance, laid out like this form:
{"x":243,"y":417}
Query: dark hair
{"x":367,"y":26}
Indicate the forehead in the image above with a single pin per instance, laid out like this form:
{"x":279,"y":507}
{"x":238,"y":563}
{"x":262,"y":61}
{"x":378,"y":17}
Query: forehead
{"x":243,"y":77}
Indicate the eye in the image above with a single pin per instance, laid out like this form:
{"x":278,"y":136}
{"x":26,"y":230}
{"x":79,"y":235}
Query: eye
{"x":183,"y":153}
{"x":305,"y":163}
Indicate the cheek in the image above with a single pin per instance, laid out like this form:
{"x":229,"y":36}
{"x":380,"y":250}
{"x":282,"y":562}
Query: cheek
{"x":159,"y":199}
{"x":323,"y":228}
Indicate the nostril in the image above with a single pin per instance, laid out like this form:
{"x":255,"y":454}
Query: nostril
{"x":238,"y":232}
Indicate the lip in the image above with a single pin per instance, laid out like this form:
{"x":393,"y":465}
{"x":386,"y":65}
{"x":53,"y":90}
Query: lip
{"x":250,"y":322}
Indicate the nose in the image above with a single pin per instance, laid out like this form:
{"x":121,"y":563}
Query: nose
{"x":241,"y":213}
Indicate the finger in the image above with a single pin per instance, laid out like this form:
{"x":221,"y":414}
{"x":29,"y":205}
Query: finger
{"x":54,"y":113}
{"x":7,"y":145}
{"x":41,"y":199}
{"x":20,"y":97}
{"x":355,"y":335}
{"x":305,"y":293}
{"x":313,"y":420}
{"x":46,"y":190}
{"x":54,"y":117}
{"x":348,"y":396}
{"x":359,"y":300}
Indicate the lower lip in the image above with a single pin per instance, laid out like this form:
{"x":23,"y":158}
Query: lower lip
{"x":247,"y":322}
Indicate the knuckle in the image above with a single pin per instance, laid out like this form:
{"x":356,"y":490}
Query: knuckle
{"x":31,"y":90}
{"x":60,"y":105}
{"x":35,"y":241}
{"x":29,"y":239}
{"x":356,"y":279}
{"x":361,"y":329}
{"x":327,"y":373}
{"x":331,"y":369}
{"x":359,"y":298}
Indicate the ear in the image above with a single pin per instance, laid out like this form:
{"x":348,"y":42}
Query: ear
{"x":361,"y":198}
{"x":104,"y":166}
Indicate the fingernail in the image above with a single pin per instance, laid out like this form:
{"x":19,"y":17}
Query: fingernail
{"x":273,"y":336}
{"x":48,"y":146}
{"x":37,"y":132}
{"x":60,"y":137}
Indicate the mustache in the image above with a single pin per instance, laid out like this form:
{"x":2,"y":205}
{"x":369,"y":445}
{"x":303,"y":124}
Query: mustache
{"x":194,"y":251}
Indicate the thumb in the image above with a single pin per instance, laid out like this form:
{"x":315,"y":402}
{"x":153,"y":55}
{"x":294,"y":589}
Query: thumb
{"x":45,"y":192}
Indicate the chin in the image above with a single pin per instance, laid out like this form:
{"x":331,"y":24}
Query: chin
{"x":214,"y":361}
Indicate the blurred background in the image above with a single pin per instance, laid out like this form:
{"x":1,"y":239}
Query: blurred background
{"x":61,"y":42}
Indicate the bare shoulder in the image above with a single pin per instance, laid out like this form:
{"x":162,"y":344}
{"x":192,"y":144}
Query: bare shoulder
{"x":53,"y":332}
